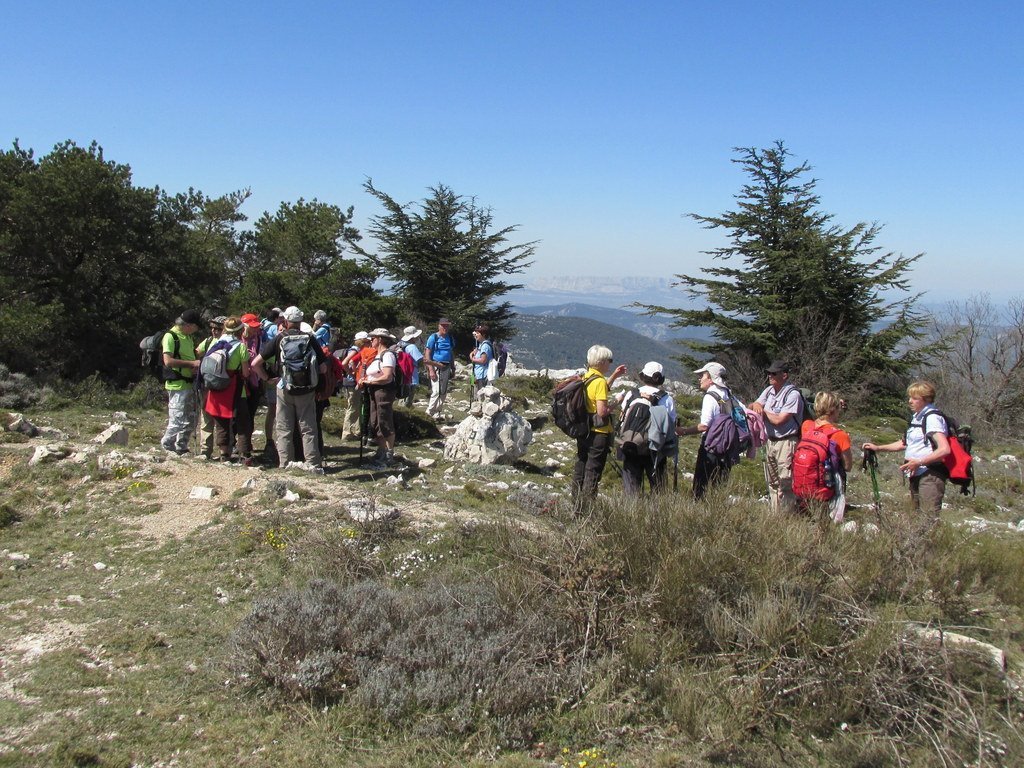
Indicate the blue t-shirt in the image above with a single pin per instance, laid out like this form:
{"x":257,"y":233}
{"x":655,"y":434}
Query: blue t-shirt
{"x":442,"y":348}
{"x":323,"y":335}
{"x":486,"y":348}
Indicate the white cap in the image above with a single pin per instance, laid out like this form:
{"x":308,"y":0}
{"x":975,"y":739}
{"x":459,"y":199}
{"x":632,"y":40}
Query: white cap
{"x":652,"y":369}
{"x":716,"y":371}
{"x":305,"y":327}
{"x":293,"y":315}
{"x":361,"y":336}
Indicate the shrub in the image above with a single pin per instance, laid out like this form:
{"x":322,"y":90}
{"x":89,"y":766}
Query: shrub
{"x":18,"y":391}
{"x":401,"y":653}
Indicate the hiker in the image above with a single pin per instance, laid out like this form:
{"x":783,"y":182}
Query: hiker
{"x":352,"y":363}
{"x":379,"y":386}
{"x":592,"y":449}
{"x":439,"y":357}
{"x":924,"y":444}
{"x":180,"y":363}
{"x":828,"y":406}
{"x":300,"y":362}
{"x":252,"y":336}
{"x":709,"y":470}
{"x":206,"y":423}
{"x":659,"y":432}
{"x":481,"y":356}
{"x":781,"y":406}
{"x":408,"y":344}
{"x":226,"y":406}
{"x":322,"y":330}
{"x":271,"y":324}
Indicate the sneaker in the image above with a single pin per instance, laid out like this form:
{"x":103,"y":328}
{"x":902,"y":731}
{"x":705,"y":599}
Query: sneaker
{"x":248,"y":461}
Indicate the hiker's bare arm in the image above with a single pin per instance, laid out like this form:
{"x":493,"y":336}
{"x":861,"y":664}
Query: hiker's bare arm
{"x":899,"y":445}
{"x":616,"y":373}
{"x":778,"y":419}
{"x":602,"y":409}
{"x":173,"y":362}
{"x":848,"y":459}
{"x":261,"y":372}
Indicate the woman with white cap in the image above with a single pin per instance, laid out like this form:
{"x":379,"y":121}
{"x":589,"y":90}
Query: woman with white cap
{"x":408,"y":343}
{"x":708,"y":472}
{"x":379,"y":386}
{"x":662,"y":422}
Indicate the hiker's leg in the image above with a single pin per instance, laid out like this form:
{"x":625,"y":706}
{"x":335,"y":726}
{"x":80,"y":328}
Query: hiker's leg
{"x":701,"y":472}
{"x":580,"y":467}
{"x":183,"y":416}
{"x":243,"y":428}
{"x":284,"y":425}
{"x":350,"y":421}
{"x":321,"y":406}
{"x":784,"y":457}
{"x":927,"y":491}
{"x":632,"y":475}
{"x":444,"y":377}
{"x":222,"y":435}
{"x":305,"y":417}
{"x":774,"y":480}
{"x":206,"y":430}
{"x":596,"y":457}
{"x":385,"y":402}
{"x":270,"y":420}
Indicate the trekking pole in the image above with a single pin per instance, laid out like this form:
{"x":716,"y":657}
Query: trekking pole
{"x":869,"y":462}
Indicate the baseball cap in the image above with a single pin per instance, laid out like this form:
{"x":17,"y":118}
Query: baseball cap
{"x":293,"y":315}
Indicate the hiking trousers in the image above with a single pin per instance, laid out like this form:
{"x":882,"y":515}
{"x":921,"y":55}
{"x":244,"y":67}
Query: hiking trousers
{"x":636,"y":468}
{"x":353,"y":405}
{"x":181,"y":419}
{"x":926,"y":492}
{"x":708,"y":472}
{"x":591,"y":455}
{"x":439,"y":390}
{"x":296,"y":414}
{"x":779,"y":457}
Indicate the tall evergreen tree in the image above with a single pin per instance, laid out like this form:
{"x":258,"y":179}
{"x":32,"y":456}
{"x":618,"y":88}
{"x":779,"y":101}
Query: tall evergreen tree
{"x":826,"y":298}
{"x":298,"y":256}
{"x":445,"y":260}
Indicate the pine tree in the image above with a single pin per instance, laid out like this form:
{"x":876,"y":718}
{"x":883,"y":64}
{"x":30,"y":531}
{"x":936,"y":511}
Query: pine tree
{"x":445,"y":260}
{"x":826,"y":299}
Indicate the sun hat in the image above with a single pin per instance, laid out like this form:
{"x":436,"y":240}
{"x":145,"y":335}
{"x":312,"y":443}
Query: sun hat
{"x":652,"y":369}
{"x":716,"y":371}
{"x":251,"y":320}
{"x":411,"y":332}
{"x":218,"y":320}
{"x":293,"y":315}
{"x":232,"y":325}
{"x":382,"y":333}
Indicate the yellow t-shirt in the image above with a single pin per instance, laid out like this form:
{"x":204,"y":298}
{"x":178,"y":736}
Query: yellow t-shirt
{"x":597,"y":390}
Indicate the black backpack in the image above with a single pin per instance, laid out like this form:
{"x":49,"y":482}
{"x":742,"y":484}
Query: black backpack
{"x":635,"y":426}
{"x":569,"y":406}
{"x":153,"y":356}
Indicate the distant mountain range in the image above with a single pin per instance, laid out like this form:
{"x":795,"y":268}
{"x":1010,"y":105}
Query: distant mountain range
{"x":554,"y":341}
{"x":656,"y":327}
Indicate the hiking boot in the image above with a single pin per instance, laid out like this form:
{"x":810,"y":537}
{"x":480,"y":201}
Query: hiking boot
{"x":248,"y":461}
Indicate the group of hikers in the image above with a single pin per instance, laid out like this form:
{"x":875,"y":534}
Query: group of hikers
{"x":293,"y":369}
{"x":807,"y":455}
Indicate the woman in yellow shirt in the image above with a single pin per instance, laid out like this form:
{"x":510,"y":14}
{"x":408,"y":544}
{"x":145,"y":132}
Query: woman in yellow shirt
{"x":592,"y":450}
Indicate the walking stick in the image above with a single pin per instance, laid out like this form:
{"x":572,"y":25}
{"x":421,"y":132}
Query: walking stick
{"x":869,"y":462}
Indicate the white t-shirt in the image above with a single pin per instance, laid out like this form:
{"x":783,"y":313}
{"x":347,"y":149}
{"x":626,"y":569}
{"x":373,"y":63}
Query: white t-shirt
{"x":386,"y":359}
{"x":709,"y":405}
{"x":916,"y":438}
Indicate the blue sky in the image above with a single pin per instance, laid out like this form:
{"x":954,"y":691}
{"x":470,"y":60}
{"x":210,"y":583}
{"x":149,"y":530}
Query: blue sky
{"x":592,"y":126}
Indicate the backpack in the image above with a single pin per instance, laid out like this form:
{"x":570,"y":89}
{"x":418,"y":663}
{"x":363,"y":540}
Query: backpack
{"x":724,"y":440}
{"x":958,"y":463}
{"x":213,"y":370}
{"x":569,"y":406}
{"x":739,"y":416}
{"x":815,"y":465}
{"x":634,"y":437}
{"x":807,"y":401}
{"x":298,"y":362}
{"x":502,"y":359}
{"x":153,"y":356}
{"x":404,"y":368}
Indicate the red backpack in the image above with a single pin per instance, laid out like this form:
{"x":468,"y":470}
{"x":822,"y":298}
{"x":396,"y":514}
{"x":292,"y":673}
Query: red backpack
{"x":815,"y":462}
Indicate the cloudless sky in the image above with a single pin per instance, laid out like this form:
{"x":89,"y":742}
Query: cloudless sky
{"x":593,"y":126}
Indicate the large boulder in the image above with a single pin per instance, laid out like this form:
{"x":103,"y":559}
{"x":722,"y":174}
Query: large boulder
{"x":492,"y":434}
